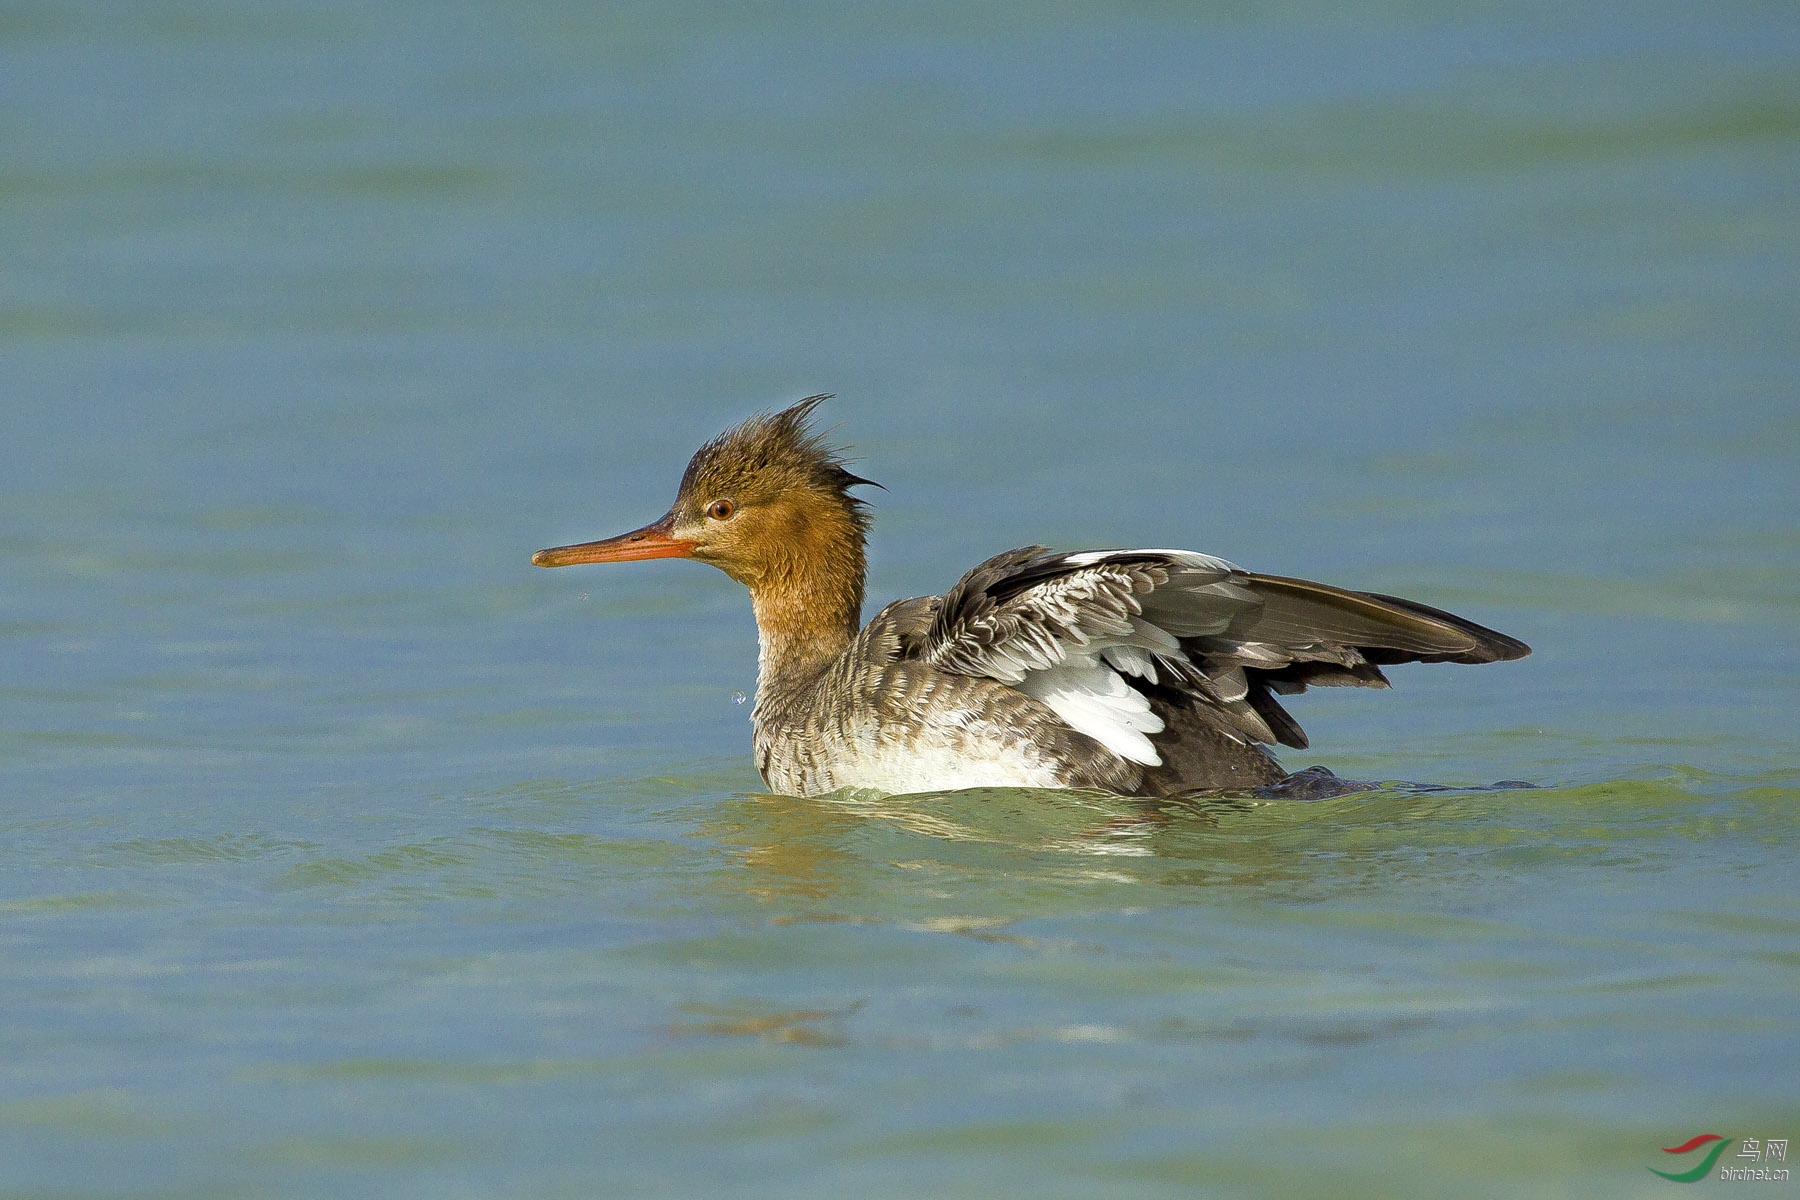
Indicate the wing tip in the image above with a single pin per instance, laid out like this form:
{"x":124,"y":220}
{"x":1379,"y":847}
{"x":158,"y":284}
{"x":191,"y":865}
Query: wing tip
{"x":1500,"y":648}
{"x":1489,"y":645}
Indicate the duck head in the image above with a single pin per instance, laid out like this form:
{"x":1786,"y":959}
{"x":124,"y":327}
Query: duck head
{"x":767,"y":502}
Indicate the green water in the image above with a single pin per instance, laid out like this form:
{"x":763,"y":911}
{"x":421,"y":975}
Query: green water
{"x":343,"y":853}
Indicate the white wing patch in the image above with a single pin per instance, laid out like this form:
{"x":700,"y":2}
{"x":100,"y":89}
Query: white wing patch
{"x":1094,"y":699}
{"x":1130,"y":660}
{"x":1088,"y":690}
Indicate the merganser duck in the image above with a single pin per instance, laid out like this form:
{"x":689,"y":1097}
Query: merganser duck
{"x":1140,"y":672}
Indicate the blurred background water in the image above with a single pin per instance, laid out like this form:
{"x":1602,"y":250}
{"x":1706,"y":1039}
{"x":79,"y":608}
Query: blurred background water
{"x":342,"y":853}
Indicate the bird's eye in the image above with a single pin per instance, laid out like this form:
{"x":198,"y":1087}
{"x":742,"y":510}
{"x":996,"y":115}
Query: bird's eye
{"x":721,"y":510}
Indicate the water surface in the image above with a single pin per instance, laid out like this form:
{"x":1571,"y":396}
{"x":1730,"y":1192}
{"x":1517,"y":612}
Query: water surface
{"x":343,"y":853}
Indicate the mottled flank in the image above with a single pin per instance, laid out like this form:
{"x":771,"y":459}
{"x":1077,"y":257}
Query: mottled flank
{"x":881,"y":716}
{"x":1144,"y":672}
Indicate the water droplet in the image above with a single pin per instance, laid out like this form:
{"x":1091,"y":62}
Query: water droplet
{"x":738,"y":697}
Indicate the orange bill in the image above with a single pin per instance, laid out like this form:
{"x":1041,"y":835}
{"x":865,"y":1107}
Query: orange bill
{"x":652,"y":541}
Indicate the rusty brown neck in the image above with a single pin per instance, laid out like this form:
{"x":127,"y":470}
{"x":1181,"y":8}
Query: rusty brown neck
{"x":808,"y":606}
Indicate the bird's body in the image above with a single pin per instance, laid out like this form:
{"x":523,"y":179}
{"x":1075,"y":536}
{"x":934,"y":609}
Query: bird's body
{"x":1142,"y":672}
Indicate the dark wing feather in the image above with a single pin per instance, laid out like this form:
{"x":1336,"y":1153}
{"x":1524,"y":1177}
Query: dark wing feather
{"x":1306,"y":634}
{"x":1187,"y":633}
{"x":1490,"y":645}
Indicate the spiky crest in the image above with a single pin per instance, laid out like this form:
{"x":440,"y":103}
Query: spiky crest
{"x":775,"y":452}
